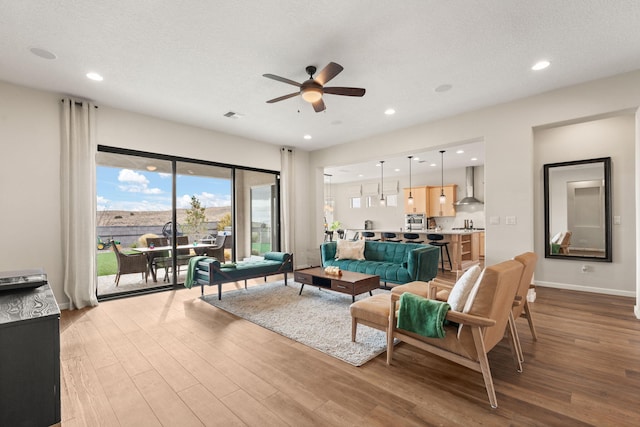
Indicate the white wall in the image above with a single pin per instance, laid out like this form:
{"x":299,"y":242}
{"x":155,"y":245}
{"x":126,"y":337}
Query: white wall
{"x":609,"y":137}
{"x":30,"y":182}
{"x":507,"y":131}
{"x":30,"y":169}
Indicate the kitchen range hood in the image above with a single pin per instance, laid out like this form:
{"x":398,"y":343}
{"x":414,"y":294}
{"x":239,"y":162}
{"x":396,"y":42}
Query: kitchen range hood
{"x":469,"y":199}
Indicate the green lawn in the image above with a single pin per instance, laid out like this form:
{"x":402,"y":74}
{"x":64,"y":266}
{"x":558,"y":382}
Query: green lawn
{"x":106,"y":264}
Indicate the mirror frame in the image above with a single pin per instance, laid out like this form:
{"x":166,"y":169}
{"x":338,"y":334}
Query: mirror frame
{"x":606,"y":162}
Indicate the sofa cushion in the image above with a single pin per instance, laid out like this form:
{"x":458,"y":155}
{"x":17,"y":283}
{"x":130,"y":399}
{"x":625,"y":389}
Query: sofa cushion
{"x":346,"y":249}
{"x":462,"y":288}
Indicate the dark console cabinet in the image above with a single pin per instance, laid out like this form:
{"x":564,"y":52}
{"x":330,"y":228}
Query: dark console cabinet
{"x":29,"y":358}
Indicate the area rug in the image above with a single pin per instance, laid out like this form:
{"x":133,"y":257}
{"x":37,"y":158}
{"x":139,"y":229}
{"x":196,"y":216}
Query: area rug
{"x":318,"y":318}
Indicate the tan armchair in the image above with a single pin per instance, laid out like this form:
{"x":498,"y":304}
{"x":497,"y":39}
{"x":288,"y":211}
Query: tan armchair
{"x":482,"y":324}
{"x":521,"y":305}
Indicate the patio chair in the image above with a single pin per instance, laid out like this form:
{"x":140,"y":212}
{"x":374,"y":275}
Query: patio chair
{"x":217,"y":251}
{"x":158,"y":259}
{"x":130,"y":263}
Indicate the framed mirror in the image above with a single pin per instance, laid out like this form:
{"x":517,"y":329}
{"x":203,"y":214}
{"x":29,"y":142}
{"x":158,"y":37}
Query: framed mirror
{"x":577,"y":210}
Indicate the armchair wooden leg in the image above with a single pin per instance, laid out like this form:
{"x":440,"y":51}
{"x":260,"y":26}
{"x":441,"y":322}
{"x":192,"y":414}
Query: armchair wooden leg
{"x":354,"y":328}
{"x":390,"y":329}
{"x":484,"y":366}
{"x":530,"y":320}
{"x":516,"y":347}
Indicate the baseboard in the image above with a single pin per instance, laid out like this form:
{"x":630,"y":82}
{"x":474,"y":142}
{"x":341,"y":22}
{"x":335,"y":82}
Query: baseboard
{"x":580,"y":288}
{"x":636,"y":310}
{"x":64,"y":305}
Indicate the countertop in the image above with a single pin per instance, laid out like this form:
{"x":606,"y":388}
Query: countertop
{"x":400,"y":233}
{"x":25,"y":304}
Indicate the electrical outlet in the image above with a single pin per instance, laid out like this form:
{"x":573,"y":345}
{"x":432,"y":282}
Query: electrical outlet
{"x":585,"y":268}
{"x":494,"y":220}
{"x":616,"y":220}
{"x":510,"y":220}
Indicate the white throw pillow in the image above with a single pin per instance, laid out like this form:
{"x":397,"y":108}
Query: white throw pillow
{"x":460,"y":291}
{"x":472,"y":296}
{"x":347,"y":249}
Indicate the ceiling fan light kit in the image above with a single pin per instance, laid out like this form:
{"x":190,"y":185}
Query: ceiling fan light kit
{"x":312,"y":90}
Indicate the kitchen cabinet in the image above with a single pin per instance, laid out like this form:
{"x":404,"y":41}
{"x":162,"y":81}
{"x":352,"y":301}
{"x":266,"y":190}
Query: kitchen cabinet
{"x":447,"y":209}
{"x":420,"y":200}
{"x":481,"y":244}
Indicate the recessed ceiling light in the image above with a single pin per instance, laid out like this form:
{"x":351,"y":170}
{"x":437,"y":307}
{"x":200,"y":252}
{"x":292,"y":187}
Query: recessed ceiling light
{"x":443,"y":88}
{"x":390,"y":111}
{"x":151,"y":168}
{"x":396,"y":170}
{"x":433,"y":164}
{"x":459,"y":151}
{"x":360,"y":175}
{"x":416,"y":159}
{"x":540,"y":65}
{"x":42,"y":53}
{"x":473,"y":159}
{"x":307,"y":137}
{"x":95,"y":76}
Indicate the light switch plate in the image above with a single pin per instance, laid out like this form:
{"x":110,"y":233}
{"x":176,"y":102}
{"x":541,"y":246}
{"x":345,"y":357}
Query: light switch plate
{"x":616,"y":220}
{"x":510,"y":220}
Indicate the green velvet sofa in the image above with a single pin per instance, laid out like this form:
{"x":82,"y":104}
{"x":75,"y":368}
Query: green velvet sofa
{"x":396,"y":263}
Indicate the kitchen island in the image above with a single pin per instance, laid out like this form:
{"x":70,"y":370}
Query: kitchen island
{"x":464,"y":245}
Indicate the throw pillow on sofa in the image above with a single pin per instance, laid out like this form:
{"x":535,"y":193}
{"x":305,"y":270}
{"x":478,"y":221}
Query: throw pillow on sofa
{"x":461,"y":290}
{"x":346,"y":249}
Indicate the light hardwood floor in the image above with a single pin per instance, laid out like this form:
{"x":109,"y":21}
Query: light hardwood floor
{"x":170,"y":359}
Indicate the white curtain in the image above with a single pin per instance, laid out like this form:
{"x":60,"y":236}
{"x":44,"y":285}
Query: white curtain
{"x":287,"y":178}
{"x":77,"y":182}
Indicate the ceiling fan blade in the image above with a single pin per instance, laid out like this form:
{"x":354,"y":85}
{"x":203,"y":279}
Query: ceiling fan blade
{"x":319,"y":105}
{"x":281,"y":79}
{"x":346,"y":91}
{"x":282,"y":98}
{"x":330,"y":71}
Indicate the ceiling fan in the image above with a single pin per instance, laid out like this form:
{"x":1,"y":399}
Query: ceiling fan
{"x":313,"y":89}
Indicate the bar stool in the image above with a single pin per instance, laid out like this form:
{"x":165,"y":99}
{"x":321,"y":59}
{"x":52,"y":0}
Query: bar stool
{"x":412,"y":238}
{"x":391,"y":237}
{"x":435,"y":240}
{"x":369,"y":235}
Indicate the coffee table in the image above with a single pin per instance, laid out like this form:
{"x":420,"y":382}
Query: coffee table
{"x":350,"y":282}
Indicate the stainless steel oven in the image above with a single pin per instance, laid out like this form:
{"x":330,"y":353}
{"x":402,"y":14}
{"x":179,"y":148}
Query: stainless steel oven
{"x":415,"y":222}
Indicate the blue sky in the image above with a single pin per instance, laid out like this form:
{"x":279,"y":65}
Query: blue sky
{"x":141,"y":190}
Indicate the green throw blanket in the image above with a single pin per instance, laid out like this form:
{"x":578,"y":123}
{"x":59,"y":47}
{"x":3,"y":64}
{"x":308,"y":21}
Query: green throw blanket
{"x":422,"y":316}
{"x":191,"y":270}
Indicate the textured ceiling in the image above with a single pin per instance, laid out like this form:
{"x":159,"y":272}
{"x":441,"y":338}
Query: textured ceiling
{"x":194,"y":61}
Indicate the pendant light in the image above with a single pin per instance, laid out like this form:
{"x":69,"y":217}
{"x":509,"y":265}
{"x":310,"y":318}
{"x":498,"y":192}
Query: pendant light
{"x":382,"y":200}
{"x":410,"y":199}
{"x":443,"y":198}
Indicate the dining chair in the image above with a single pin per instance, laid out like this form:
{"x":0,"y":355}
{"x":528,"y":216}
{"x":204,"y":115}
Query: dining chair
{"x":130,"y":263}
{"x":158,"y":258}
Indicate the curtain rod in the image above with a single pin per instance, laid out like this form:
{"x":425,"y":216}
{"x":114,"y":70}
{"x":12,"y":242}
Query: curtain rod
{"x":79,"y":103}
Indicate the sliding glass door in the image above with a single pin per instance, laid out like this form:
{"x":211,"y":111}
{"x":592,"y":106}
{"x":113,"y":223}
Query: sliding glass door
{"x":162,"y":210}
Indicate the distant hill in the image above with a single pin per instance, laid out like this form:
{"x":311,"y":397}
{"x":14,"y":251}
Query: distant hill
{"x":133,"y":218}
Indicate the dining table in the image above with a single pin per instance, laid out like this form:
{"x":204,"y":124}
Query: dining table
{"x":198,"y":249}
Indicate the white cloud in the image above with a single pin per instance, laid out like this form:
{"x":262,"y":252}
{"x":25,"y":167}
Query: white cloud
{"x":207,"y":200}
{"x":134,"y":182}
{"x":101,"y":203}
{"x":164,"y":175}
